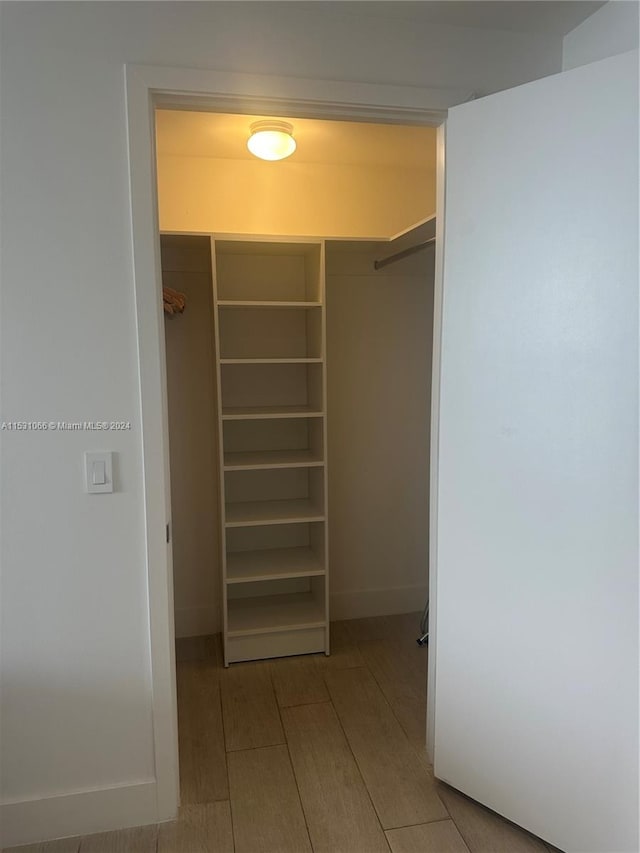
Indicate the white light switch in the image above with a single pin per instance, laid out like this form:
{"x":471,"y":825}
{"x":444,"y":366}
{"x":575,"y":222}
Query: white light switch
{"x":99,"y":474}
{"x":98,"y":468}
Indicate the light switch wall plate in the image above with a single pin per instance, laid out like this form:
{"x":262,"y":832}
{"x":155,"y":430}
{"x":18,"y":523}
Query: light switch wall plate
{"x":98,"y":471}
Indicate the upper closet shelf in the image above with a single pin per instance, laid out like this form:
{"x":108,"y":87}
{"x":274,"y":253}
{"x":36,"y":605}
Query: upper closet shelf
{"x":270,"y":361}
{"x":259,"y":412}
{"x":271,"y":459}
{"x":249,"y":303}
{"x":270,"y":564}
{"x":252,"y":513}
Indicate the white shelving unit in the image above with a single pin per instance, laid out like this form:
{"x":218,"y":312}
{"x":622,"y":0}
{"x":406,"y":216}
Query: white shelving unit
{"x":269,"y":313}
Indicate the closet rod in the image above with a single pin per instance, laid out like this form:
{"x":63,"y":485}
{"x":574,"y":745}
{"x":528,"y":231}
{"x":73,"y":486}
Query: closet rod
{"x":403,"y":254}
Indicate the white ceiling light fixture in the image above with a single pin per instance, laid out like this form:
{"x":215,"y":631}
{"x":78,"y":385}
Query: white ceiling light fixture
{"x":271,"y":140}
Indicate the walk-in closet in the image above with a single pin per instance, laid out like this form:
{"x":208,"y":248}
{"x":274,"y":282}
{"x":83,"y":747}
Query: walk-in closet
{"x":298,"y":373}
{"x":298,"y":319}
{"x":298,"y":300}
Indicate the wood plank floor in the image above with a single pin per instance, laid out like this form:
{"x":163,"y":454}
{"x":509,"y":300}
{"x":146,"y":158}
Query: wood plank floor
{"x":311,"y":754}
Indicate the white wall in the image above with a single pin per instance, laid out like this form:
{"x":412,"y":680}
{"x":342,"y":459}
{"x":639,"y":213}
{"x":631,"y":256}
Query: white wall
{"x":379,"y":340}
{"x":76,"y":698}
{"x":611,"y":30}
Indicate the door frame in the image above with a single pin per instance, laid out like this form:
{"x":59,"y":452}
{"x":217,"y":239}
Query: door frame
{"x":149,"y":87}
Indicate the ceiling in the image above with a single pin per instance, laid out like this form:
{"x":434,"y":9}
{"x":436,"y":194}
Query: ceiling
{"x":224,"y":136}
{"x":555,"y":17}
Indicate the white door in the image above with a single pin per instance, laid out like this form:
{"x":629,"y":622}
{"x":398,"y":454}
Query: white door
{"x":536,"y":700}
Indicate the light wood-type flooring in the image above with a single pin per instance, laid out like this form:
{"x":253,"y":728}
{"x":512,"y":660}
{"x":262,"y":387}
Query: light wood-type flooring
{"x":322,"y":754}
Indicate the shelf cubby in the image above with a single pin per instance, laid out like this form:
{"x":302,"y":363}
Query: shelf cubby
{"x":273,"y":611}
{"x":265,"y":271}
{"x":273,"y":496}
{"x":293,"y":387}
{"x":276,"y":443}
{"x":270,"y":333}
{"x":275,"y":552}
{"x":271,"y":618}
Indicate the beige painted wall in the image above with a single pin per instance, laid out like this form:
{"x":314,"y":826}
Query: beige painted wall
{"x":379,"y":337}
{"x":189,"y":340}
{"x":294,"y":198}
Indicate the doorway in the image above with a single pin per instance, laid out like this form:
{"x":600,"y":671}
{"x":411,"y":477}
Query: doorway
{"x":379,"y":326}
{"x":526,"y":99}
{"x":162,"y":86}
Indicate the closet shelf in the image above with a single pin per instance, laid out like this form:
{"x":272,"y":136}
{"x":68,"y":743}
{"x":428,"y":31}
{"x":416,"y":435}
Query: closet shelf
{"x":273,"y":564}
{"x":270,"y":361}
{"x":271,"y":459}
{"x":253,"y":513}
{"x":260,"y":412}
{"x":268,"y":614}
{"x":245,"y":303}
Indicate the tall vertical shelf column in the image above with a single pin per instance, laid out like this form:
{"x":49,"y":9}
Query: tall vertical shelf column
{"x":269,"y":308}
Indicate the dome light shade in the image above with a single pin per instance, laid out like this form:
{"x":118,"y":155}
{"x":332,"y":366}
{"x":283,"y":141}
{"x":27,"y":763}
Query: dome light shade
{"x":271,"y":140}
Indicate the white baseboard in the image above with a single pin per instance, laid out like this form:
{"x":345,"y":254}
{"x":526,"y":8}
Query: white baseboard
{"x":196,"y":621}
{"x":356,"y":604}
{"x":81,"y":813}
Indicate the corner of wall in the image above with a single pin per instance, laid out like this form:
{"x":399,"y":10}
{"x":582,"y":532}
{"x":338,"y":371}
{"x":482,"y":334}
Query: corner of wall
{"x":613,"y":29}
